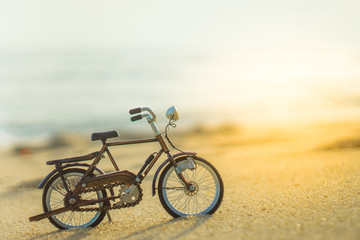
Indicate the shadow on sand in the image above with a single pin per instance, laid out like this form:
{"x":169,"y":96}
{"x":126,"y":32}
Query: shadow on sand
{"x":179,"y":228}
{"x":182,"y":226}
{"x":81,"y":233}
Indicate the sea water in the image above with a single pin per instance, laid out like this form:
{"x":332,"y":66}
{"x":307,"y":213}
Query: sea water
{"x":46,"y":90}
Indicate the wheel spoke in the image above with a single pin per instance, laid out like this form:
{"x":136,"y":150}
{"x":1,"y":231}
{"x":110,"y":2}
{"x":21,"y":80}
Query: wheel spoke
{"x":177,"y":199}
{"x":175,"y":188}
{"x":202,"y":207}
{"x":204,"y":198}
{"x":202,"y":176}
{"x":59,"y":190}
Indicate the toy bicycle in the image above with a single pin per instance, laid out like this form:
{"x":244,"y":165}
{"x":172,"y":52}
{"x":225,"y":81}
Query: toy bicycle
{"x":80,"y":194}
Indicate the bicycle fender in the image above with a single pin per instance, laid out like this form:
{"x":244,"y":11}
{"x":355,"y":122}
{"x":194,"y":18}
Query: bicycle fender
{"x":42,"y":183}
{"x":175,"y":156}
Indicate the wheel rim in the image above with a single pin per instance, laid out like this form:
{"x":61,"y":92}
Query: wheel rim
{"x":55,"y":199}
{"x":201,"y":200}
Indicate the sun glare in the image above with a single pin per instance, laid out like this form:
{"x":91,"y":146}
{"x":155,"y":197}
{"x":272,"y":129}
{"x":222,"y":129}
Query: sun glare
{"x":282,"y":84}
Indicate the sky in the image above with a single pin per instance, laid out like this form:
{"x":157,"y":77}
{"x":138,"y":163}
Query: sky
{"x":210,"y":23}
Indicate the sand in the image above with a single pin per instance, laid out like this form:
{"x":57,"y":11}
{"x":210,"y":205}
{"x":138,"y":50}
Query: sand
{"x":294,"y":182}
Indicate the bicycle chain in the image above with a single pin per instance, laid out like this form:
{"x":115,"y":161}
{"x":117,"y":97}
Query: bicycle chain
{"x":107,"y":208}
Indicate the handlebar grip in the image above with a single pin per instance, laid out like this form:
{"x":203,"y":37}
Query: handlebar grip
{"x":135,"y":118}
{"x":135,"y":110}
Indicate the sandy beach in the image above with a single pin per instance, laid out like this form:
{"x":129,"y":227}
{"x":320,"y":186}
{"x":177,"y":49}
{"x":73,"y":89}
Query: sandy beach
{"x":294,"y":182}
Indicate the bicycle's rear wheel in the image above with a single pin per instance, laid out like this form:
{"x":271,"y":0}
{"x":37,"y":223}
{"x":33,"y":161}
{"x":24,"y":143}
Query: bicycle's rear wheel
{"x":179,"y":201}
{"x":53,"y":198}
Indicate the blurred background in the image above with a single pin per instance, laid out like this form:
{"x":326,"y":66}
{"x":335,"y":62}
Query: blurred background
{"x":81,"y":65}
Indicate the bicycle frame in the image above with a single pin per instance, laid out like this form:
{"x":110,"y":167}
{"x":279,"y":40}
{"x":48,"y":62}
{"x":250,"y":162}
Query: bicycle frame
{"x":149,"y":163}
{"x":145,"y":169}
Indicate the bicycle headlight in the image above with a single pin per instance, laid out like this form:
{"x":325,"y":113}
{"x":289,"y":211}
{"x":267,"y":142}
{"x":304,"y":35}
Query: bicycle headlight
{"x":172,"y":113}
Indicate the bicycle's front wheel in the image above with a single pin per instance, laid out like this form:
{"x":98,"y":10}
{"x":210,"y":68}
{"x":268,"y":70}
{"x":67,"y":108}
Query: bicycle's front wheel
{"x":205,"y":198}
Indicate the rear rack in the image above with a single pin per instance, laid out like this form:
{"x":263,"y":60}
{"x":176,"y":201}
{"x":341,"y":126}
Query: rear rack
{"x":74,"y":159}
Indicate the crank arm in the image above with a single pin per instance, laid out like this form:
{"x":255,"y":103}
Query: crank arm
{"x":64,"y":209}
{"x":48,"y":214}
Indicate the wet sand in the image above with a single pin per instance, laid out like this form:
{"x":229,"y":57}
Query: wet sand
{"x":298,"y":182}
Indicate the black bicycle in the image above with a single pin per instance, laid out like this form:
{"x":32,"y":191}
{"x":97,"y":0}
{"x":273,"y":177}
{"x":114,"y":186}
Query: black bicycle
{"x":80,"y":195}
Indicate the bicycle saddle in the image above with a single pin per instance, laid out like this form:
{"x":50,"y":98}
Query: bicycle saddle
{"x":104,"y":135}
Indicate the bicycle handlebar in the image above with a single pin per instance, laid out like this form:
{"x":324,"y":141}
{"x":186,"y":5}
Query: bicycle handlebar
{"x":151,"y":117}
{"x":135,"y":110}
{"x":135,"y":118}
{"x":138,"y":110}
